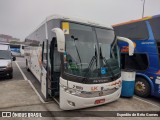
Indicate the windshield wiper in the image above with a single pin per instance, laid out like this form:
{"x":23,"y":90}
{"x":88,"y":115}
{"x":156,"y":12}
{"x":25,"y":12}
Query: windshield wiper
{"x":77,"y":49}
{"x":2,"y":58}
{"x":93,"y":60}
{"x":104,"y":59}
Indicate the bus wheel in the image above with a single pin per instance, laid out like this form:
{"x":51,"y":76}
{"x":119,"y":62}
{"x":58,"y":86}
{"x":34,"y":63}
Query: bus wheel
{"x":142,"y":87}
{"x":27,"y":66}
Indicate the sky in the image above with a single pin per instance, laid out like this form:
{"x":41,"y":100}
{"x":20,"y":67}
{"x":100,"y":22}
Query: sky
{"x":19,"y":18}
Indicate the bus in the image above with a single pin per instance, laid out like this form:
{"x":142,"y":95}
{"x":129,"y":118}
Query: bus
{"x":145,"y":33}
{"x":76,"y":62}
{"x":17,"y":49}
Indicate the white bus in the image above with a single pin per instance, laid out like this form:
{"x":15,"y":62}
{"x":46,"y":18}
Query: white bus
{"x":77,"y":62}
{"x":17,"y":49}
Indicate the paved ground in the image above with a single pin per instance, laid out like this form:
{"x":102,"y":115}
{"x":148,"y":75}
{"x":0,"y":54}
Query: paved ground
{"x":18,"y":95}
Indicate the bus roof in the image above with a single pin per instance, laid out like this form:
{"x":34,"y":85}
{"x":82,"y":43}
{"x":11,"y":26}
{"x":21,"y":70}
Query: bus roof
{"x":155,"y":16}
{"x":73,"y":19}
{"x":133,"y":21}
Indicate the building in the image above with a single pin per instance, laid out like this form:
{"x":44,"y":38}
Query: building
{"x":8,"y":38}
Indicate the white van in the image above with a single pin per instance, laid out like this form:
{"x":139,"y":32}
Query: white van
{"x":6,"y":58}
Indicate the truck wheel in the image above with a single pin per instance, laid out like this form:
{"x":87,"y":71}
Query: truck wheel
{"x":142,"y":87}
{"x":27,"y":66}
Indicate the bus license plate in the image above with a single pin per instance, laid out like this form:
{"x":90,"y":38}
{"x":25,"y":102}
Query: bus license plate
{"x":99,"y":101}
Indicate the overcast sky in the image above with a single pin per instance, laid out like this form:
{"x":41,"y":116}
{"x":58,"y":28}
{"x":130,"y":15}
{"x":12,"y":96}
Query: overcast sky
{"x":19,"y":17}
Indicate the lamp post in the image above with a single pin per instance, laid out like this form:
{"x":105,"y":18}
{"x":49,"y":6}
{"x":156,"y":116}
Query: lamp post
{"x":143,"y":8}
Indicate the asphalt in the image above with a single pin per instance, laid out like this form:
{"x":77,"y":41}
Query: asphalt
{"x":17,"y":95}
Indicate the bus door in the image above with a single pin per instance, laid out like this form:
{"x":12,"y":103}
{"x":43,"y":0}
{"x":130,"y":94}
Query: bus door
{"x":54,"y":69}
{"x":44,"y":69}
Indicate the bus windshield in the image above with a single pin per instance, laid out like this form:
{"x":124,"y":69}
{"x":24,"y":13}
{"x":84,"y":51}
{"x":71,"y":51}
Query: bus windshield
{"x":15,"y":48}
{"x":90,"y":52}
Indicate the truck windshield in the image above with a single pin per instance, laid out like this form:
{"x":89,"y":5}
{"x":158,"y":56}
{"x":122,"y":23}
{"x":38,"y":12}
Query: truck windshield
{"x":4,"y":54}
{"x":90,"y":52}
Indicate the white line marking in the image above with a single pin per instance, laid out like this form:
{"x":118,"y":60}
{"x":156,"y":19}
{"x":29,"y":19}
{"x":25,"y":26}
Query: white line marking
{"x":25,"y":78}
{"x":146,"y":101}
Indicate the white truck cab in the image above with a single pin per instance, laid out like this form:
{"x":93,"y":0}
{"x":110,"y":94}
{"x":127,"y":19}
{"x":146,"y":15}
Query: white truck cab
{"x":6,"y":58}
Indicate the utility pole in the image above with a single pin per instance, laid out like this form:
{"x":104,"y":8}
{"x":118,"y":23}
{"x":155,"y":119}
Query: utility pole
{"x":143,"y":8}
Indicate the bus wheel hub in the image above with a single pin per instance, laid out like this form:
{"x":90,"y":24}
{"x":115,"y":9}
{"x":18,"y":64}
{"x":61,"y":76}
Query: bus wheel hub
{"x":140,"y":86}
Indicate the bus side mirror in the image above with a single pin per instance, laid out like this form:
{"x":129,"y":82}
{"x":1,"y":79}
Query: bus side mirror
{"x":130,"y":43}
{"x":60,"y":39}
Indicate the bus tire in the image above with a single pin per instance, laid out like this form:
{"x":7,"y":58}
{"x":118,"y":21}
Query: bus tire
{"x":27,"y":66}
{"x":142,"y":87}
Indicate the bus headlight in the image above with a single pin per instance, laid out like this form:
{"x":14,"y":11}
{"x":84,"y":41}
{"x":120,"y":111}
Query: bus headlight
{"x":71,"y":103}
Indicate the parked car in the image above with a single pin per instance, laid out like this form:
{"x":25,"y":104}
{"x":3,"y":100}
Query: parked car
{"x":6,"y":59}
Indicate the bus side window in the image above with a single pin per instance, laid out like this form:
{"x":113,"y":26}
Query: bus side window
{"x":135,"y":62}
{"x":158,"y":48}
{"x":154,"y":22}
{"x":133,"y":31}
{"x":122,"y":60}
{"x":44,"y":55}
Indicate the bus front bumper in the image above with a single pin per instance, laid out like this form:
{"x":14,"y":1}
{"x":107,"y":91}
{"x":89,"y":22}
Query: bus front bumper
{"x":71,"y":102}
